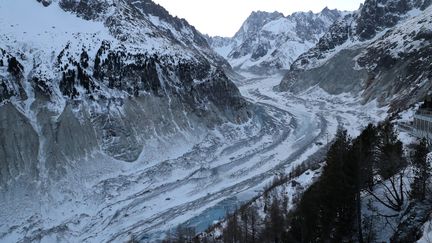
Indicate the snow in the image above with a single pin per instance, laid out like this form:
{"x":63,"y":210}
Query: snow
{"x":281,"y":25}
{"x":224,"y":51}
{"x":39,"y":20}
{"x":402,"y":38}
{"x":44,"y":28}
{"x":399,"y":39}
{"x":283,"y":53}
{"x":102,"y":199}
{"x":427,"y":233}
{"x":279,"y":33}
{"x":427,"y":228}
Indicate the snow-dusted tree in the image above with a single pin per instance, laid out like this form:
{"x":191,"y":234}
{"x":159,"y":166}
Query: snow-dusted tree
{"x":391,"y":166}
{"x":232,"y":232}
{"x":274,"y":222}
{"x":364,"y":157}
{"x":422,"y":170}
{"x":390,"y":151}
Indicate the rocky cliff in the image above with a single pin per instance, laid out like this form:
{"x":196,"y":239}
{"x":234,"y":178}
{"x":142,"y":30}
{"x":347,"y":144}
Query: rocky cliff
{"x":116,"y":77}
{"x":380,"y":52}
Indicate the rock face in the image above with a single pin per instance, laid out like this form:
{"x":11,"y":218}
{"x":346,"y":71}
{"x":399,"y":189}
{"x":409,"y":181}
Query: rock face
{"x":382,"y":52}
{"x":271,"y":41}
{"x":108,"y":76}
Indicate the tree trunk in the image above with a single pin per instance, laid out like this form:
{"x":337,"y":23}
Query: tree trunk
{"x":359,"y":217}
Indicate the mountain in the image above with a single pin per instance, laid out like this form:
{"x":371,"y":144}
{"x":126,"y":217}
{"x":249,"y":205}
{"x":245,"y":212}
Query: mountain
{"x":382,"y":51}
{"x":272,"y":41}
{"x":114,"y":77}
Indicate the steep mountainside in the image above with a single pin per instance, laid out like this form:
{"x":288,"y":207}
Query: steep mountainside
{"x":118,"y":77}
{"x":383,"y":52}
{"x":271,"y":41}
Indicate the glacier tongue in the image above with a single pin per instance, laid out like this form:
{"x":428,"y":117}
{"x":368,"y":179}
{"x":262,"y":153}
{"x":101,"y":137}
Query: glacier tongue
{"x":120,"y":124}
{"x":101,"y":199}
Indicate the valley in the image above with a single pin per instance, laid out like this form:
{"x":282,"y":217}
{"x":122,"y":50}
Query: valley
{"x":120,"y":121}
{"x":231,"y":163}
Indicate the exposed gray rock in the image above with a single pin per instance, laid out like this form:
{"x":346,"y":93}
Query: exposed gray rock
{"x":19,"y":146}
{"x":154,"y":79}
{"x":336,"y":76}
{"x":393,"y":67}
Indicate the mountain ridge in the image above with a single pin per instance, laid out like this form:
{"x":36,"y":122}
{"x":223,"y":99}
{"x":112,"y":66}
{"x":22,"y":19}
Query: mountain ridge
{"x":271,"y":41}
{"x":81,"y":63}
{"x":346,"y":58}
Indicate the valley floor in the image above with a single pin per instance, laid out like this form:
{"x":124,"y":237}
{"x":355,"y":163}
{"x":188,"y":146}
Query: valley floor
{"x":229,"y":166}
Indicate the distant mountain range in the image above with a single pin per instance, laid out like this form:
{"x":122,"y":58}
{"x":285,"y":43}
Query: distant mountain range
{"x":272,"y":41}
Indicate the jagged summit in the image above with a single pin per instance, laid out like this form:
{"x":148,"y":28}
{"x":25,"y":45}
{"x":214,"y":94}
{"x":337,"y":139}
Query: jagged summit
{"x":271,"y":41}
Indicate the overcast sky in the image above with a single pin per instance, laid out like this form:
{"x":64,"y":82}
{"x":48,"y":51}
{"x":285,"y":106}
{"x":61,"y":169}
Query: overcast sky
{"x":224,"y":17}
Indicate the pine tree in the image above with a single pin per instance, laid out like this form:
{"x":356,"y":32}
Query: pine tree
{"x":390,"y":164}
{"x":231,"y":233}
{"x":327,"y":210}
{"x":391,"y":158}
{"x":422,"y":170}
{"x":253,"y":217}
{"x":364,"y":156}
{"x":365,"y":148}
{"x":275,"y":222}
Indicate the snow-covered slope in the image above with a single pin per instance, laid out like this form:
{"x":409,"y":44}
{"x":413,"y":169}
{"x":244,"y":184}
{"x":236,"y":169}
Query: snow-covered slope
{"x":116,"y":79}
{"x":381,"y":52}
{"x":107,"y":65}
{"x":87,"y":86}
{"x":272,"y":41}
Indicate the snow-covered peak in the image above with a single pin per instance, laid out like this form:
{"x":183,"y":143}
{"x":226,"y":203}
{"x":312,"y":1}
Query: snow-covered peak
{"x":368,"y":23}
{"x":138,"y":26}
{"x":255,"y":22}
{"x":272,"y":41}
{"x":47,"y":27}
